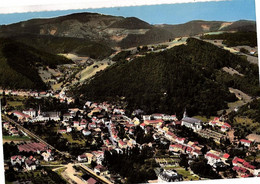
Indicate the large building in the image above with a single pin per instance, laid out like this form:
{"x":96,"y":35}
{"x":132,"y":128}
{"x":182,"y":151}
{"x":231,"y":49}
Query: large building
{"x":192,"y":123}
{"x":169,"y":176}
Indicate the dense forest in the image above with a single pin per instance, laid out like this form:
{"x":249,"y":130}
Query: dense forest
{"x":134,"y":164}
{"x":235,"y":39}
{"x":186,"y":76}
{"x":56,"y":45}
{"x":19,"y":62}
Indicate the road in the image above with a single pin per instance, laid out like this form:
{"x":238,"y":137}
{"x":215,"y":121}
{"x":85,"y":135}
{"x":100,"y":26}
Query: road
{"x":92,"y":173}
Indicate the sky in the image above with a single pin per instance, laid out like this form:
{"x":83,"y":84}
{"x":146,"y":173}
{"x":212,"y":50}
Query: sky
{"x":230,"y":10}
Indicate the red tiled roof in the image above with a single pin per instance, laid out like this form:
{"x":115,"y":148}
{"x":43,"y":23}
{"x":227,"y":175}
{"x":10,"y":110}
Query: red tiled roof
{"x":246,"y":141}
{"x":226,"y":155}
{"x":239,"y":169}
{"x":154,"y":121}
{"x":143,"y":124}
{"x":21,"y":114}
{"x":236,"y":160}
{"x":212,"y":155}
{"x":170,"y":133}
{"x":227,"y":125}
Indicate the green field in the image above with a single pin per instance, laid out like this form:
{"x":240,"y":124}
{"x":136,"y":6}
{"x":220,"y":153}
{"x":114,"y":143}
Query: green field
{"x":187,"y":176}
{"x":16,"y":138}
{"x":204,"y":118}
{"x":69,"y":138}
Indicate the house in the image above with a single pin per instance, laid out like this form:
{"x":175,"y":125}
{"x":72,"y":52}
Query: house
{"x":121,"y":144}
{"x":63,"y":131}
{"x":146,"y":117}
{"x":196,"y":153}
{"x":86,"y":132}
{"x":6,"y":125}
{"x":69,"y":129}
{"x":245,"y":142}
{"x":157,"y":116}
{"x":82,"y":158}
{"x":75,"y":123}
{"x":17,"y":159}
{"x":170,"y":118}
{"x":31,"y":163}
{"x":212,"y":158}
{"x":14,"y":132}
{"x":225,"y":127}
{"x":99,"y":169}
{"x":31,"y":112}
{"x":47,"y":156}
{"x":180,"y":140}
{"x":192,"y":123}
{"x":67,"y":117}
{"x":177,"y":148}
{"x":92,"y":125}
{"x":153,"y":122}
{"x":21,"y":116}
{"x":169,"y":176}
{"x":142,"y":125}
{"x":99,"y":156}
{"x":89,"y":157}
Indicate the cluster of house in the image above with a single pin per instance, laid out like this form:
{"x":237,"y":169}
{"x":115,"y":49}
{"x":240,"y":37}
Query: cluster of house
{"x":220,"y":123}
{"x":19,"y":161}
{"x":39,"y":94}
{"x":244,"y":168}
{"x":12,"y":130}
{"x":217,"y":159}
{"x":33,"y":115}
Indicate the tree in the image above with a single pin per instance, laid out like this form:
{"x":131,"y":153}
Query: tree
{"x":184,"y":161}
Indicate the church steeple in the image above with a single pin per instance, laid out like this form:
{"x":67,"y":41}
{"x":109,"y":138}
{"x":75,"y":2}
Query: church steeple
{"x":185,"y":114}
{"x":39,"y":111}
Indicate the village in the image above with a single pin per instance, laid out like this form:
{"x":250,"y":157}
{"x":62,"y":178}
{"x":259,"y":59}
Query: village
{"x":86,"y":136}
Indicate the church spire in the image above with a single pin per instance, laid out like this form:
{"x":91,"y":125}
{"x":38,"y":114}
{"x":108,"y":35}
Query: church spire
{"x":185,"y":113}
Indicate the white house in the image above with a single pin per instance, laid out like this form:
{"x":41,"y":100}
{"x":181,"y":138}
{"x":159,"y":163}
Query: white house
{"x":82,"y":158}
{"x":47,"y":156}
{"x":17,"y":159}
{"x":245,"y":142}
{"x":212,"y":158}
{"x":31,"y":112}
{"x":31,"y":163}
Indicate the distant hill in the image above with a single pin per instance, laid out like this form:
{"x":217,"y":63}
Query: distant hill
{"x":187,"y":76}
{"x":19,"y":62}
{"x":114,"y":31}
{"x":199,"y":26}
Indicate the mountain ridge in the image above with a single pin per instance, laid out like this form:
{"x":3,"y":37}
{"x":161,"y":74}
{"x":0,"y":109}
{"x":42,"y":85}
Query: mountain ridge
{"x":117,"y":31}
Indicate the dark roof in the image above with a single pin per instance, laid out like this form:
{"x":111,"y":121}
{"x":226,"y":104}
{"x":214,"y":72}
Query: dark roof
{"x":191,"y":120}
{"x":91,"y":181}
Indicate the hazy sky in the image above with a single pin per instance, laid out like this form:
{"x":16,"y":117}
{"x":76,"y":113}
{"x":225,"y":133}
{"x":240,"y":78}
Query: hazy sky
{"x":230,"y":10}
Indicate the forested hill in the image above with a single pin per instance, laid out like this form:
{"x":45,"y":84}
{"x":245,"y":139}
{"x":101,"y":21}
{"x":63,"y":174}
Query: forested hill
{"x":187,"y":76}
{"x":19,"y":62}
{"x":235,"y":39}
